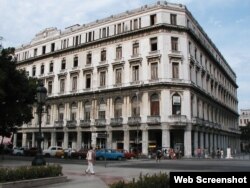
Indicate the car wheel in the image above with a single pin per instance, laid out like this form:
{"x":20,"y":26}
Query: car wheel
{"x":79,"y":157}
{"x":119,"y":158}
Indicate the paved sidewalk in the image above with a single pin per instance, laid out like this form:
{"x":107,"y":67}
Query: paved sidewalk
{"x":104,"y":176}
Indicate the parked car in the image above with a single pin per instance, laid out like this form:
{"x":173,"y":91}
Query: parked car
{"x":127,"y":154}
{"x":31,"y":151}
{"x":80,"y":154}
{"x":18,"y":151}
{"x":109,"y":154}
{"x":51,"y":151}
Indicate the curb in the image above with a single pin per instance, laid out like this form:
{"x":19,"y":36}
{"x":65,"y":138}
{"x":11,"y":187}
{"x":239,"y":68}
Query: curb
{"x":34,"y":182}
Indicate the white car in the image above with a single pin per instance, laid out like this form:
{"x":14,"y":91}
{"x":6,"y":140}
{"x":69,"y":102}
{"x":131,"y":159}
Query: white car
{"x":51,"y":151}
{"x":18,"y":151}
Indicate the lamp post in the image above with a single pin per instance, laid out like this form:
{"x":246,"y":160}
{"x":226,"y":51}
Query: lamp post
{"x":41,"y":99}
{"x":137,"y":125}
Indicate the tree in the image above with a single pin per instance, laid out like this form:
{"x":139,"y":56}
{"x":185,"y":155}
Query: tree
{"x":245,"y":136}
{"x":17,"y":94}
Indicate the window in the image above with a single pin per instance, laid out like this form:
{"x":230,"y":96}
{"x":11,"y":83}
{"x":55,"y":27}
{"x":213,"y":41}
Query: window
{"x":175,"y":70}
{"x":195,"y":53}
{"x":154,"y":104}
{"x":153,"y":19}
{"x":174,"y":43}
{"x":35,"y":52}
{"x":48,"y":115}
{"x":153,"y":44}
{"x":63,"y":64}
{"x":75,"y":61}
{"x":154,"y":71}
{"x":135,"y":107}
{"x":87,"y":109}
{"x":43,"y":49}
{"x":102,"y":78}
{"x":73,"y":112}
{"x":61,"y":112}
{"x":102,"y":109}
{"x":90,"y":37}
{"x":118,"y":52}
{"x":118,"y":108}
{"x":34,"y":71}
{"x":42,"y":69}
{"x":52,"y":47}
{"x":64,"y":43}
{"x":173,"y":19}
{"x":74,"y":83}
{"x":103,"y":55}
{"x":76,"y":40}
{"x":119,"y":28}
{"x":51,"y":67}
{"x":189,"y":47}
{"x":135,"y":73}
{"x":88,"y":80}
{"x":104,"y":34}
{"x":89,"y":58}
{"x":62,"y":85}
{"x":176,"y":105}
{"x":135,"y":23}
{"x":49,"y":87}
{"x":136,"y":48}
{"x":118,"y":76}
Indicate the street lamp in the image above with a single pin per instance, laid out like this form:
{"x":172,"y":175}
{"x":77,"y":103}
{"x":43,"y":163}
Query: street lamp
{"x":41,"y":99}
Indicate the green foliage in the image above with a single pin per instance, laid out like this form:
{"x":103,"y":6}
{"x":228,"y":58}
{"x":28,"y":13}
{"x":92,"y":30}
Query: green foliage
{"x":29,"y":172}
{"x":160,"y":180}
{"x":17,"y":94}
{"x":245,"y":132}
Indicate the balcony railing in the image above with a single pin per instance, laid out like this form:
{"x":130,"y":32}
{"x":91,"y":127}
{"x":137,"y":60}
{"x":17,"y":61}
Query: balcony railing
{"x":100,"y":122}
{"x":178,"y":120}
{"x":116,"y":121}
{"x":58,"y":124}
{"x":71,"y":123}
{"x":133,"y":121}
{"x":152,"y":120}
{"x":85,"y":123}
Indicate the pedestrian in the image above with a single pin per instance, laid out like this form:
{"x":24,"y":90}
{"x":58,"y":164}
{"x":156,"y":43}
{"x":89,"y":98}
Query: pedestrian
{"x":91,"y":161}
{"x":158,"y":155}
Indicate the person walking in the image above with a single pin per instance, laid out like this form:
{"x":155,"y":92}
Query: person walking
{"x":91,"y":161}
{"x":158,"y":155}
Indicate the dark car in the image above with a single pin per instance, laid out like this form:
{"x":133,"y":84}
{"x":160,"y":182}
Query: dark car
{"x":31,"y":151}
{"x":80,"y":154}
{"x":109,"y":154}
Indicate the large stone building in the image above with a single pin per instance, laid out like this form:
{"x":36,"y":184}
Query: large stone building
{"x":149,"y":77}
{"x":244,"y":118}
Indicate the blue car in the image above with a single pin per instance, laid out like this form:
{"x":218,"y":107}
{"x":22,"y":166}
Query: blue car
{"x":109,"y":154}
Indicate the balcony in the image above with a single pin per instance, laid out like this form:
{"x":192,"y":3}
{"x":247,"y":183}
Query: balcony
{"x":58,"y":124}
{"x":178,"y":120}
{"x":85,"y":123}
{"x":134,"y":121}
{"x":71,"y":124}
{"x":100,"y":123}
{"x":198,"y":121}
{"x":175,"y":54}
{"x":153,"y":120}
{"x":116,"y":122}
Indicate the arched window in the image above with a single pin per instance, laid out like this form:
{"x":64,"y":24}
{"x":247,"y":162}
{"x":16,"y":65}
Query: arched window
{"x":135,"y":106}
{"x":48,"y":115}
{"x":176,"y":104}
{"x":118,"y":108}
{"x":87,"y":109}
{"x":102,"y":109}
{"x":73,"y":111}
{"x":61,"y":112}
{"x":154,"y":104}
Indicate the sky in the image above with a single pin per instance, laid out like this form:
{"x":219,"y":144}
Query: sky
{"x":226,"y":22}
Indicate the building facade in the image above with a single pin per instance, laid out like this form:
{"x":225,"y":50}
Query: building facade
{"x":244,"y":117}
{"x":145,"y":78}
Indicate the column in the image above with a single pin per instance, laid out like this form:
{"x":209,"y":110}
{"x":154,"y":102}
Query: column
{"x":79,"y":140}
{"x":166,"y":138}
{"x":195,"y":141}
{"x":15,"y":140}
{"x":211,"y":143}
{"x":201,"y":140}
{"x":145,"y":141}
{"x":109,"y":140}
{"x":53,"y":138}
{"x":24,"y":139}
{"x":207,"y":140}
{"x":93,"y":139}
{"x":33,"y":140}
{"x":126,"y":140}
{"x":66,"y":140}
{"x":187,"y":142}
